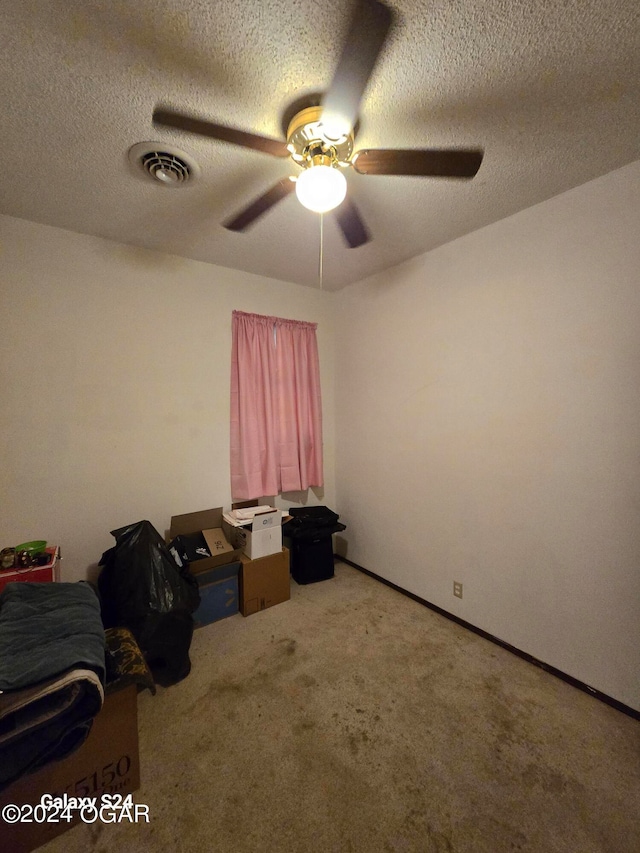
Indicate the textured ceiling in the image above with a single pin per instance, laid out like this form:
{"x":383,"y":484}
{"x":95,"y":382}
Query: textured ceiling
{"x":548,"y":88}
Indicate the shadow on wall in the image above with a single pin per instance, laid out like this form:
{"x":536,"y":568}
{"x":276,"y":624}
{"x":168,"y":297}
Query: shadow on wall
{"x":141,"y":258}
{"x":311,"y":497}
{"x":340,"y":546}
{"x":93,"y":571}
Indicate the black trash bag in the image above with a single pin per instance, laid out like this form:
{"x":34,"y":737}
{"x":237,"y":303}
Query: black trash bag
{"x":168,"y":639}
{"x":142,"y":588}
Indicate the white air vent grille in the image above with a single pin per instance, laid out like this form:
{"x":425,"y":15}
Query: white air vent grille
{"x":166,"y":165}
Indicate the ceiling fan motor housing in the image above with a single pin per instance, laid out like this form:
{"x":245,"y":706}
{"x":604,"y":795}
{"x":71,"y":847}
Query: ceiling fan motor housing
{"x":307,"y":140}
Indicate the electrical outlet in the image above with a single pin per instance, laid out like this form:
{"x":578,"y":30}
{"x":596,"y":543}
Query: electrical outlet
{"x":457,"y":589}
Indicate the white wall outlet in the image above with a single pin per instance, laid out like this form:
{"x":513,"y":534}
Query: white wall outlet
{"x":457,"y":589}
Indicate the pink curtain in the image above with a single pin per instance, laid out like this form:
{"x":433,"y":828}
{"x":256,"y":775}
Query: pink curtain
{"x":276,"y":407}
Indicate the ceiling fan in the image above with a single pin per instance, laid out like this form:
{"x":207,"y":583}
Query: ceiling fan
{"x":320,"y":137}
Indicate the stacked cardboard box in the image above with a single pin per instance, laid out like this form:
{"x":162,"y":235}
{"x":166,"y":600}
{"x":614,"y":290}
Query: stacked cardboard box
{"x":216,"y":565}
{"x":264,"y":582}
{"x":237,"y":569}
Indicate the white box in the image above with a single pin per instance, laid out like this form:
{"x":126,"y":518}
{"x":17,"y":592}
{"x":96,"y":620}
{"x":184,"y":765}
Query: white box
{"x":264,"y":520}
{"x":260,"y":543}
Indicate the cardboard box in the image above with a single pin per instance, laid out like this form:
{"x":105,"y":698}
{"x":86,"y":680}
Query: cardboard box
{"x":209,"y":523}
{"x":264,"y":582}
{"x":188,"y":549}
{"x":106,"y":763}
{"x":262,"y":520}
{"x":219,"y":594}
{"x":259,"y":543}
{"x":253,"y":538}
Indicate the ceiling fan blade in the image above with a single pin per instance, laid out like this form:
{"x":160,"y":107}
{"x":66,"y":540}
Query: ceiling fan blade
{"x":351,"y":224}
{"x":261,"y":205}
{"x":435,"y":163}
{"x":370,"y":24}
{"x":179,"y":121}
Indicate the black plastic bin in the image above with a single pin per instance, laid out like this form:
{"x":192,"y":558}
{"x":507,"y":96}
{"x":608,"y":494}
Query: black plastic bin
{"x":309,"y":538}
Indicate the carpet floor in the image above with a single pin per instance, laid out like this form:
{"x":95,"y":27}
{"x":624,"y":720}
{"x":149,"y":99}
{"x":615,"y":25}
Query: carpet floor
{"x":352,"y":718}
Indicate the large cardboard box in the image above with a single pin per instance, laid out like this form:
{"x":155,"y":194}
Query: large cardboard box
{"x":106,"y":763}
{"x":209,"y":523}
{"x":218,"y":594}
{"x":264,"y":582}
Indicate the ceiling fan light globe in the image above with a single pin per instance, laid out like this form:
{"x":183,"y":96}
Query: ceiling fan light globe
{"x":321,"y":188}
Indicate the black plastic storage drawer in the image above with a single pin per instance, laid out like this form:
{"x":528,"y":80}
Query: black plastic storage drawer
{"x":312,"y":559}
{"x":309,"y":536}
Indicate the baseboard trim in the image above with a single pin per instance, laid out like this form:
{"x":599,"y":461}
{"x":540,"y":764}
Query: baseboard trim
{"x":569,"y":679}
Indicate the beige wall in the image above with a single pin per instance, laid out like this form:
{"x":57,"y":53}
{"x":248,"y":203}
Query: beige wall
{"x":115,"y":370}
{"x":487,"y":412}
{"x":488,"y":423}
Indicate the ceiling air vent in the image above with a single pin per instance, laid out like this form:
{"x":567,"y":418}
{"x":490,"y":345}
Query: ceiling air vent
{"x":164,"y":164}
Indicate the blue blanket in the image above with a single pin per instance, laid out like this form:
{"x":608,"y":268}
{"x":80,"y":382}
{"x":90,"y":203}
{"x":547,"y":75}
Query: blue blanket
{"x":52,"y":671}
{"x":46,"y":629}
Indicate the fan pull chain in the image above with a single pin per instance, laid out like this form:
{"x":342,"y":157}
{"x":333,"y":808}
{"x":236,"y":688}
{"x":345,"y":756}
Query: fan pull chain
{"x":321,"y":248}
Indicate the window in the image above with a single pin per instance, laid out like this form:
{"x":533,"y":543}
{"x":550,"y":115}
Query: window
{"x":276,"y":409}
